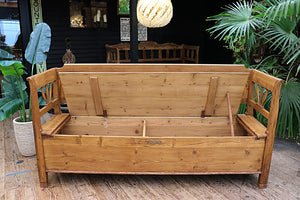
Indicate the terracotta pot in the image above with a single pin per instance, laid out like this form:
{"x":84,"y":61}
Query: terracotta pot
{"x":24,"y":136}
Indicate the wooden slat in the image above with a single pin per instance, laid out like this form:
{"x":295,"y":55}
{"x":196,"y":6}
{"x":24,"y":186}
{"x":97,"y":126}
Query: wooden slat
{"x":152,"y":94}
{"x":271,"y":128}
{"x":44,"y":78}
{"x":230,"y":113}
{"x":126,"y":55}
{"x":160,"y":54}
{"x":252,"y":125}
{"x":127,"y":154}
{"x":49,"y":106}
{"x":265,"y":80}
{"x":259,"y":108}
{"x":55,"y":124}
{"x":211,"y":96}
{"x":144,"y":128}
{"x":153,"y":68}
{"x":96,"y":95}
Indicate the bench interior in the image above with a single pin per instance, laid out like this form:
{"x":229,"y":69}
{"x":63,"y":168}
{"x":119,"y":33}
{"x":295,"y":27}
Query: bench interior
{"x":153,"y":104}
{"x":152,"y":126}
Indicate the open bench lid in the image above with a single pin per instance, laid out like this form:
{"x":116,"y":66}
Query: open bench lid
{"x":152,"y":94}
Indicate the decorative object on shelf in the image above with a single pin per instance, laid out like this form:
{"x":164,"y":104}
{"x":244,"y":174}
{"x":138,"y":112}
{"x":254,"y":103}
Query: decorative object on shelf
{"x":154,"y":13}
{"x":88,"y":14}
{"x":77,"y":21}
{"x":68,"y":57}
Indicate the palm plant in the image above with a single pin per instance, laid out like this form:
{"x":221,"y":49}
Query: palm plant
{"x":237,"y":24}
{"x":267,"y":29}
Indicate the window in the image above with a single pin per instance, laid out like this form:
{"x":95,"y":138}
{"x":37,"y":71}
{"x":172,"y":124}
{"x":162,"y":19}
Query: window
{"x":88,"y":14}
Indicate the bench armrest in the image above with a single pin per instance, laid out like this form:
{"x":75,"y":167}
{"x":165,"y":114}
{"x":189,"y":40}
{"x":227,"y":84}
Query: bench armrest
{"x":47,"y":85}
{"x":252,"y":125}
{"x":55,"y":124}
{"x":260,"y":86}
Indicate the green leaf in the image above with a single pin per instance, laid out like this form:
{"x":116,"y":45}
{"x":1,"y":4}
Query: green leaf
{"x":39,"y":44}
{"x":4,"y":54}
{"x":12,"y":68}
{"x":298,"y":69}
{"x":11,"y":102}
{"x":8,"y":107}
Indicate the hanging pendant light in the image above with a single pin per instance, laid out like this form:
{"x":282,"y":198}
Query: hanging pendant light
{"x":154,"y":13}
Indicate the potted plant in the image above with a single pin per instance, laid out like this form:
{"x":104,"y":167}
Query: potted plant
{"x":15,"y":96}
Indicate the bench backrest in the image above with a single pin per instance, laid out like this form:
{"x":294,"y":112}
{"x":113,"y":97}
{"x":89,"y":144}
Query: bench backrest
{"x":153,"y":90}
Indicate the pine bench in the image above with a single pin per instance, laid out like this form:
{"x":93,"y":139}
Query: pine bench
{"x":154,"y":119}
{"x":150,"y":51}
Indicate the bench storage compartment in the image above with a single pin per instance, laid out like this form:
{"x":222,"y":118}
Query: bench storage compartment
{"x":154,"y":119}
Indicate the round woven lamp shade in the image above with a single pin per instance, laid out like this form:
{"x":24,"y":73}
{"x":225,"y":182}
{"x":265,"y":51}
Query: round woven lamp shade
{"x":154,"y":13}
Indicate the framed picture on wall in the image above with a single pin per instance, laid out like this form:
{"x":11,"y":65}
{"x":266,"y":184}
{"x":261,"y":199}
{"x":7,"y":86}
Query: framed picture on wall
{"x":123,"y":7}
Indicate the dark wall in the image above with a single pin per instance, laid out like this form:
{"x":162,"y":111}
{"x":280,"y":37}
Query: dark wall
{"x":25,"y":24}
{"x":188,"y":26}
{"x":9,"y":13}
{"x":86,"y":44}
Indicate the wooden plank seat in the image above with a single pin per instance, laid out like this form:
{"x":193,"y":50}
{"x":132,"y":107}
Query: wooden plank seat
{"x":55,"y":124}
{"x":252,"y":125}
{"x":150,"y":51}
{"x":154,"y":119}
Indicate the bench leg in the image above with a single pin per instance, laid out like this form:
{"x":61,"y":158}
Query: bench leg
{"x":263,"y":181}
{"x":43,"y":178}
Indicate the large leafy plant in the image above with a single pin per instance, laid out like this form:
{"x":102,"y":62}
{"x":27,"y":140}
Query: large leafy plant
{"x":15,"y":96}
{"x":265,"y":35}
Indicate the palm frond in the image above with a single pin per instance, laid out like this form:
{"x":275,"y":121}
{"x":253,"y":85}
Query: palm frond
{"x":289,"y":108}
{"x":280,"y":34}
{"x":237,"y":21}
{"x":282,"y":9}
{"x":292,"y":53}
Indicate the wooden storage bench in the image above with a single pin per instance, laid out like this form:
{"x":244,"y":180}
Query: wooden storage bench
{"x":154,"y":119}
{"x":150,"y":51}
